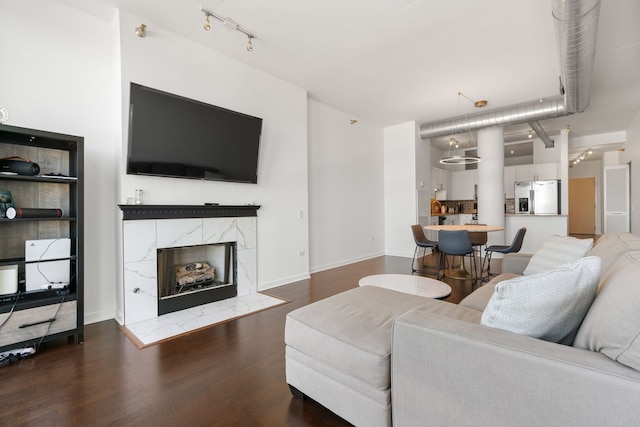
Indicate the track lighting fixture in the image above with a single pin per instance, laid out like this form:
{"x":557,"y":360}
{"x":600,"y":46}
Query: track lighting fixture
{"x":229,"y":22}
{"x":141,"y":31}
{"x":580,"y":157}
{"x":530,"y":135}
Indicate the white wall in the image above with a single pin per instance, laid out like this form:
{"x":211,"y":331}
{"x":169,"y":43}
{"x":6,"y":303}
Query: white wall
{"x":56,"y":75}
{"x":632,"y":155}
{"x":542,"y":154}
{"x":346,"y":188}
{"x":171,"y":63}
{"x":62,"y":77}
{"x":400,"y":188}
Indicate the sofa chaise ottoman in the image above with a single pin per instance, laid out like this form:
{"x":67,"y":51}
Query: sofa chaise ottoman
{"x":377,"y":357}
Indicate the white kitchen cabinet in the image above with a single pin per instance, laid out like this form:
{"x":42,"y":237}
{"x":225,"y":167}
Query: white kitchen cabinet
{"x":537,"y":172}
{"x":440,"y":180}
{"x":546,"y":171}
{"x":525,"y":172}
{"x":463,"y":184}
{"x":509,"y":179}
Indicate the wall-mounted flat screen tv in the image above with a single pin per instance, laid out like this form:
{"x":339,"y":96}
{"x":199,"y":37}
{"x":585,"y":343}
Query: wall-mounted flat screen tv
{"x":173,"y":136}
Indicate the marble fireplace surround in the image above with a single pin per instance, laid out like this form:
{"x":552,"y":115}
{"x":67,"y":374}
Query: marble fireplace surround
{"x":147,"y":228}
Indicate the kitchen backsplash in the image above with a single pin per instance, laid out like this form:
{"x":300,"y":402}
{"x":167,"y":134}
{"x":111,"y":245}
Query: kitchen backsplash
{"x":467,"y":206}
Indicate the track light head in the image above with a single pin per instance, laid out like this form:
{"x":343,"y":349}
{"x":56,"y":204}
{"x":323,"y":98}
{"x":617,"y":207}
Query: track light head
{"x":207,"y":23}
{"x":250,"y":44}
{"x":141,"y":31}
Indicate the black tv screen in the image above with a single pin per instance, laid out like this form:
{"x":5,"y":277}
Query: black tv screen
{"x":173,"y":136}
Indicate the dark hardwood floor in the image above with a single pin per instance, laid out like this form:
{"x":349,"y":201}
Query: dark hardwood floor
{"x":231,"y":374}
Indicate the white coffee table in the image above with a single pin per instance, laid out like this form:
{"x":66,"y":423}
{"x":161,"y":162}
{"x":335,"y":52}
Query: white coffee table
{"x":409,"y":284}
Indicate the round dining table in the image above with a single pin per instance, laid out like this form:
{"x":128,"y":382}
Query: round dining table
{"x":468,"y":227}
{"x":462,"y":273}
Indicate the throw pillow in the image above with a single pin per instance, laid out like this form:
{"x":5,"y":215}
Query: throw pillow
{"x":557,"y":250}
{"x":612,"y":325}
{"x":549,"y":305}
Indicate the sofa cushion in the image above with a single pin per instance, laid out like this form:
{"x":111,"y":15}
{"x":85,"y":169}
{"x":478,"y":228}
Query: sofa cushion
{"x":612,"y":325}
{"x":479,"y":298}
{"x":351,"y":332}
{"x":557,"y":250}
{"x":611,"y":246}
{"x":549,"y":305}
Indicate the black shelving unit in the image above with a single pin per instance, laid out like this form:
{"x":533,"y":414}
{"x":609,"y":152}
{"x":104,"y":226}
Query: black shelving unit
{"x":31,"y":317}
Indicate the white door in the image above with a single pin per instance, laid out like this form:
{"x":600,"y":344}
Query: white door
{"x":616,"y":199}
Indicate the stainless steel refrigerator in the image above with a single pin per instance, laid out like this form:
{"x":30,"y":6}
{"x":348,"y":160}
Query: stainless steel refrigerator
{"x":537,"y":197}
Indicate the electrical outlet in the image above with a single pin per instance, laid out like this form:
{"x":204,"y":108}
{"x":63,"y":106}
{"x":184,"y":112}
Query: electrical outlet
{"x":301,"y":253}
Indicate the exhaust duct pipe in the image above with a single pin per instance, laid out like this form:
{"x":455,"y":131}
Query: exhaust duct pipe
{"x":542,"y":134}
{"x":508,"y":116}
{"x":576,"y":25}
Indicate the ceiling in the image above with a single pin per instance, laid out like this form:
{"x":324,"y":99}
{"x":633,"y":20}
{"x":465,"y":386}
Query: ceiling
{"x":393,"y":61}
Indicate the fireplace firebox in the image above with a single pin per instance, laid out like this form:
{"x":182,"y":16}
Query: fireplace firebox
{"x":195,"y":275}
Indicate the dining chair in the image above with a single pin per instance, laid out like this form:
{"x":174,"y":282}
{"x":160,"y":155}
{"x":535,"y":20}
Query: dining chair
{"x":423,"y":242}
{"x":478,"y":239}
{"x":457,"y":243}
{"x":515,"y":246}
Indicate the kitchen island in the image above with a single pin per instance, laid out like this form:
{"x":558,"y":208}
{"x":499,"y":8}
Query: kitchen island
{"x":539,"y":228}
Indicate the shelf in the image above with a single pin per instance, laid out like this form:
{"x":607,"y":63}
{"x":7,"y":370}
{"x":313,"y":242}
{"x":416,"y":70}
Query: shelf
{"x":21,"y":261}
{"x":58,"y":180}
{"x":56,"y":153}
{"x":63,"y":218}
{"x":32,"y":299}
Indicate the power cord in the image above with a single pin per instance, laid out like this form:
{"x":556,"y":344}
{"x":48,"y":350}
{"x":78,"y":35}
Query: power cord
{"x":40,"y":260}
{"x":11,"y":311}
{"x":37,"y":346}
{"x":11,"y":356}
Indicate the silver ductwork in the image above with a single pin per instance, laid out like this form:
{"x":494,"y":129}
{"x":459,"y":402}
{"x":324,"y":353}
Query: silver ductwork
{"x":576,"y":24}
{"x":508,"y":116}
{"x":542,"y":134}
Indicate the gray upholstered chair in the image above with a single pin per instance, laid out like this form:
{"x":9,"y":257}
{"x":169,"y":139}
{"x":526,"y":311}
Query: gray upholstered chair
{"x":457,"y":243}
{"x":423,"y":242}
{"x":515,"y":246}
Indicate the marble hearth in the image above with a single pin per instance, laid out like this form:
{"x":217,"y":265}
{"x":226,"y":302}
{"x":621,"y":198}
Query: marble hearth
{"x":147,"y":228}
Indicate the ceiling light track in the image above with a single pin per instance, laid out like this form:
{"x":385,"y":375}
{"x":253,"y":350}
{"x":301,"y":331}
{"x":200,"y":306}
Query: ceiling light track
{"x":229,"y":22}
{"x":580,"y":157}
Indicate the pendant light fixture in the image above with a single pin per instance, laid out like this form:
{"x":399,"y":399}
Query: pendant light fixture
{"x":452,"y":157}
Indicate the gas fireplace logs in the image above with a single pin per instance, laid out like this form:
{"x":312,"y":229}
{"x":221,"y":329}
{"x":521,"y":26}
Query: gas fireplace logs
{"x":194,"y":275}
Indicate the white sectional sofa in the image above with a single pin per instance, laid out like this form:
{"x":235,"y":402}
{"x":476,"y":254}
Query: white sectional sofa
{"x":377,"y":357}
